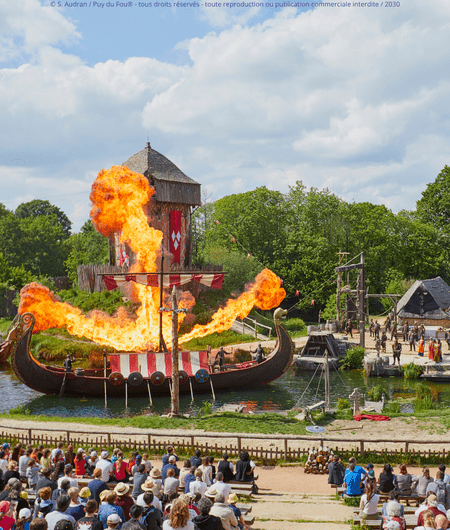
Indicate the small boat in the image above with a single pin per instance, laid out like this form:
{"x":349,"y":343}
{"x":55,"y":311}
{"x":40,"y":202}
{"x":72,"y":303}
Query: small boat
{"x":144,"y":374}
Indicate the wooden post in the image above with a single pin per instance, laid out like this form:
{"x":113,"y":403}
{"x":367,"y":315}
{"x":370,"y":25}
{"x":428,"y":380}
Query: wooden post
{"x":285,"y":449}
{"x":175,"y":397}
{"x":361,"y":298}
{"x":361,"y":447}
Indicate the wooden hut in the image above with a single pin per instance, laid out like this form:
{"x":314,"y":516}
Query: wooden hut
{"x":169,"y":210}
{"x":426,"y":302}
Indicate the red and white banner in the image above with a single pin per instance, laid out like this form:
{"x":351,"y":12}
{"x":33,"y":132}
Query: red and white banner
{"x":169,"y":280}
{"x":148,"y":363}
{"x":175,"y":235}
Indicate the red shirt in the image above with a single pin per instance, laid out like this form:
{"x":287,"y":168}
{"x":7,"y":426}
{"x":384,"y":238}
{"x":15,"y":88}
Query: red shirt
{"x":7,"y":522}
{"x":119,"y":472}
{"x":79,"y":466}
{"x":125,"y":502}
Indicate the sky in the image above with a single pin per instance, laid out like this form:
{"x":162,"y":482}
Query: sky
{"x":352,"y":97}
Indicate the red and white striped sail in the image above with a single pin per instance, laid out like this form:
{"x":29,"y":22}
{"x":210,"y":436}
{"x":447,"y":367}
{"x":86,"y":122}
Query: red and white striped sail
{"x":148,"y":363}
{"x":169,"y":280}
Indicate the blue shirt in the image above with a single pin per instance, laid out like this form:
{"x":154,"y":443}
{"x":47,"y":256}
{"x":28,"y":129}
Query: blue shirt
{"x":187,"y":480}
{"x":107,"y":509}
{"x":353,"y":479}
{"x":166,"y":468}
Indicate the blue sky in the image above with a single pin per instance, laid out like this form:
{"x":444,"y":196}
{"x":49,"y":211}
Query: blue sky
{"x":354,"y":99}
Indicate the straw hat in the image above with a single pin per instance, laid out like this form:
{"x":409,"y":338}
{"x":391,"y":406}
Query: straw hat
{"x":103,"y":494}
{"x":122,"y":489}
{"x":211,"y":493}
{"x":148,"y":485}
{"x":232,"y":498}
{"x":85,"y":493}
{"x":155,"y":473}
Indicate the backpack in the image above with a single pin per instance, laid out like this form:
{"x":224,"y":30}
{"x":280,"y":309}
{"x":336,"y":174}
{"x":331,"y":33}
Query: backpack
{"x":441,"y":492}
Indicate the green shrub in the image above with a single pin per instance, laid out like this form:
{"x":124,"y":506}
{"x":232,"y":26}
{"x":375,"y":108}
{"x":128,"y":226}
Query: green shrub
{"x":425,"y":403}
{"x":422,"y":391}
{"x":343,"y":404}
{"x":294,"y":324}
{"x":392,"y":408}
{"x":353,"y":359}
{"x":352,"y":501}
{"x":241,"y":356}
{"x":412,"y":371}
{"x":107,"y":301}
{"x":376,"y":393}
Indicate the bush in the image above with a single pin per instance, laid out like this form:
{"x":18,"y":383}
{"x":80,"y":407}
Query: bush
{"x":294,"y":324}
{"x":412,"y":371}
{"x":376,"y":393}
{"x":425,"y":403}
{"x":343,"y":404}
{"x":422,"y":391}
{"x":107,"y":301}
{"x":241,"y":356}
{"x":353,"y":359}
{"x":392,"y":408}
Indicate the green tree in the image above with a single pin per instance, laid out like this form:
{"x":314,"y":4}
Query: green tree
{"x":434,"y":206}
{"x":37,"y":208}
{"x":87,"y":247}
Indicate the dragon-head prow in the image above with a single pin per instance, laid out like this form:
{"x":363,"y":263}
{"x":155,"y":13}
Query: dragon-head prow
{"x":278,"y":314}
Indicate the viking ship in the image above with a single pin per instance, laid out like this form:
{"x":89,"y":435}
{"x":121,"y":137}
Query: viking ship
{"x":147,"y":374}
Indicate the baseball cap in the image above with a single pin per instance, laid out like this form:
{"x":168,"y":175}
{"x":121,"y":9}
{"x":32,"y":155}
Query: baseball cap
{"x":114,"y":518}
{"x":4,"y":506}
{"x":63,"y":524}
{"x":105,"y":454}
{"x":24,"y":513}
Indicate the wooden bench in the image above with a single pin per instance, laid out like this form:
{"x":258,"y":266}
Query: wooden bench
{"x":242,"y":488}
{"x":248,"y":519}
{"x":371,"y":523}
{"x":407,"y":498}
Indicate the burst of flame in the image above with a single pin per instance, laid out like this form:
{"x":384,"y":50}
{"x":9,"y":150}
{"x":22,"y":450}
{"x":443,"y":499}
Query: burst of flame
{"x":119,"y":196}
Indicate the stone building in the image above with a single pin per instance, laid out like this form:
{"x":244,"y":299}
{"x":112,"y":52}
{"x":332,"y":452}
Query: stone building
{"x":169,"y":210}
{"x":426,"y":302}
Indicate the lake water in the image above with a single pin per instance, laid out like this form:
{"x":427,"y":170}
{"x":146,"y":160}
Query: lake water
{"x":282,"y":394}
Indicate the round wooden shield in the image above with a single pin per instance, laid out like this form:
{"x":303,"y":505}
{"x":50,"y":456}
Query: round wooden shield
{"x":157,"y":378}
{"x":183,"y":376}
{"x":201,"y":376}
{"x":116,"y":379}
{"x":135,"y":379}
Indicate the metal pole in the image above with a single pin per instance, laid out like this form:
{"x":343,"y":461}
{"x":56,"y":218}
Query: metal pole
{"x":362,"y":297}
{"x":175,"y":398}
{"x":327,"y":382}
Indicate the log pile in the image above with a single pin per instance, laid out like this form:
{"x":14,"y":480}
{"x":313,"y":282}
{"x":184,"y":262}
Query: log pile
{"x":318,"y":461}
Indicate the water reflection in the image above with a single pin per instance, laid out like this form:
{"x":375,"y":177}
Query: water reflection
{"x":292,"y":388}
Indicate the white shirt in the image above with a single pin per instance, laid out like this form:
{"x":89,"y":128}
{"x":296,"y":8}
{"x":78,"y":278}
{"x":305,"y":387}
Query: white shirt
{"x":207,"y":474}
{"x":370,"y":507}
{"x":106,"y":467}
{"x":73,"y":481}
{"x":223,"y":488}
{"x":155,"y":502}
{"x":4,"y":465}
{"x":198,"y":486}
{"x":53,"y":517}
{"x":188,"y":526}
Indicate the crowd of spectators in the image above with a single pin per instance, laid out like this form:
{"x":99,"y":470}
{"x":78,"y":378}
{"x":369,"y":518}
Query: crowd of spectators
{"x":434,"y":512}
{"x":40,"y":490}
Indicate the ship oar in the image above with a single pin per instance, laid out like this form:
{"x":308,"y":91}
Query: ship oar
{"x":63,"y":386}
{"x":149,"y":393}
{"x":192,"y":392}
{"x":212,"y":389}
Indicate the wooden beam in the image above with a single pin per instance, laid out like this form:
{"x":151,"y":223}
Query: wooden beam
{"x":346,"y":268}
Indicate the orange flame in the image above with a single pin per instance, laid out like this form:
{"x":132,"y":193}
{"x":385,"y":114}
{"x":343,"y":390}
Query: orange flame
{"x":119,"y":197}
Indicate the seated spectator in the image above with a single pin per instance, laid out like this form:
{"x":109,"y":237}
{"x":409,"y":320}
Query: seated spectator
{"x":404,"y":481}
{"x":11,"y":472}
{"x":178,"y":518}
{"x":151,"y":517}
{"x":189,"y":499}
{"x":62,"y":503}
{"x":43,"y":504}
{"x":84,"y":495}
{"x":38,"y":524}
{"x":46,"y":458}
{"x":138,"y":479}
{"x":120,"y":468}
{"x":109,"y":508}
{"x":91,"y":462}
{"x":222,"y":487}
{"x":188,"y":479}
{"x":387,"y":480}
{"x":440,"y":522}
{"x":421,"y":482}
{"x":150,"y":486}
{"x":12,"y":494}
{"x":369,"y":503}
{"x":358,"y":468}
{"x":147,"y":463}
{"x":171,"y":465}
{"x":23,"y":463}
{"x":32,"y":474}
{"x":213,"y":468}
{"x":226,"y":468}
{"x":244,"y":468}
{"x":24,"y":519}
{"x":352,"y":481}
{"x":442,"y":468}
{"x":336,"y":471}
{"x":171,"y":483}
{"x":170,"y":452}
{"x":424,"y":505}
{"x":69,"y":455}
{"x":185,"y":470}
{"x":137,"y":463}
{"x":7,"y":521}
{"x":427,"y":521}
{"x":232,"y":501}
{"x":58,"y":471}
{"x":440,"y":489}
{"x":124,"y":500}
{"x":133,"y":523}
{"x":80,"y":463}
{"x":198,"y":486}
{"x":155,"y":475}
{"x":206,"y":470}
{"x":89,"y":521}
{"x":205,"y":521}
{"x":75,"y":509}
{"x":113,"y":521}
{"x":196,"y":460}
{"x":393,"y":496}
{"x":225,"y":512}
{"x":97,"y":485}
{"x":393,"y":514}
{"x":45,"y":481}
{"x":432,"y":504}
{"x":63,"y":490}
{"x":106,"y":466}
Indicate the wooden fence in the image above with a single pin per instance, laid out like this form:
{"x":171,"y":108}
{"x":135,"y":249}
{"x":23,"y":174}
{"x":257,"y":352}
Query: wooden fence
{"x":266,"y":448}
